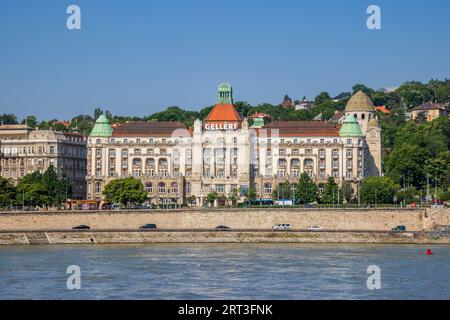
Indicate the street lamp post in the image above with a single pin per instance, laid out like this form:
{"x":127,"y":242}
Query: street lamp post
{"x":375,"y":198}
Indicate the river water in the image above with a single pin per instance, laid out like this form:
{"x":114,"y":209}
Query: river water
{"x":224,"y":271}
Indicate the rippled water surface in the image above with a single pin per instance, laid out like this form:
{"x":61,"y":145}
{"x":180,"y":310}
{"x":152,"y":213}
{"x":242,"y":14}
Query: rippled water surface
{"x":224,"y":271}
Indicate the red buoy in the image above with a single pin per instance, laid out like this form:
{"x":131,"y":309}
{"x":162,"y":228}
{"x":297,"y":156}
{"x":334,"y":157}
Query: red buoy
{"x":429,"y":252}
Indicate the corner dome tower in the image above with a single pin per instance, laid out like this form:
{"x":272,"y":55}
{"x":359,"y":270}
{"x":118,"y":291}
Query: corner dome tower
{"x":350,"y":128}
{"x":102,"y":128}
{"x":360,"y":102}
{"x":361,"y":108}
{"x":373,"y":123}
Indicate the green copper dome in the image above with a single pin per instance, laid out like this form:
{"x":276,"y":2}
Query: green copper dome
{"x":102,"y":128}
{"x":350,"y":127}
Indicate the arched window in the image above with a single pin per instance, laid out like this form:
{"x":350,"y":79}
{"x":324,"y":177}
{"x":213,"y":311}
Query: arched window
{"x":308,"y":163}
{"x":188,"y":187}
{"x":295,"y":163}
{"x":162,"y":162}
{"x":174,"y":187}
{"x":363,"y":116}
{"x":150,"y":163}
{"x":161,"y":187}
{"x":282,"y":163}
{"x":268,"y":188}
{"x":149,"y":187}
{"x":137,"y":162}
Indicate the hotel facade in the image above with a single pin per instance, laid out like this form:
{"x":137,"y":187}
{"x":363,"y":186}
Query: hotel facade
{"x":225,"y":154}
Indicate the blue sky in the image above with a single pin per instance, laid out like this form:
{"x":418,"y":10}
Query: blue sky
{"x":138,"y":57}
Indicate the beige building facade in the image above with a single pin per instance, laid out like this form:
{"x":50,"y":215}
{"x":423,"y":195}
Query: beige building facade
{"x":24,"y":150}
{"x":225,"y":154}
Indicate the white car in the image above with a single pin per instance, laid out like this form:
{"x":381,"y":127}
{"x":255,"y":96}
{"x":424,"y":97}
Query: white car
{"x":282,"y":226}
{"x":314,"y":228}
{"x":438,"y":206}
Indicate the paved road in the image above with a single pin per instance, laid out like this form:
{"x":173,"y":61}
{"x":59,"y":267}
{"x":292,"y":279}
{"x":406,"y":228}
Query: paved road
{"x":204,"y":230}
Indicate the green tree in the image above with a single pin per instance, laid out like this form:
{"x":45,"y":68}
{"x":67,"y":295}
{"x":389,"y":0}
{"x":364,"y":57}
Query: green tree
{"x":414,"y":93}
{"x":30,"y":121}
{"x":414,"y":145}
{"x":378,"y":190}
{"x":45,"y":189}
{"x":331,"y":192}
{"x":97,"y":113}
{"x":32,"y":194}
{"x":321,"y":98}
{"x":347,"y":191}
{"x":8,"y":119}
{"x":58,"y":189}
{"x":306,"y":191}
{"x":233,"y":197}
{"x":7,"y":193}
{"x":250,"y":194}
{"x":82,"y":124}
{"x":282,"y":191}
{"x":190,"y":200}
{"x":405,"y":165}
{"x":408,"y":196}
{"x":125,"y":191}
{"x":360,"y":87}
{"x":212,"y":197}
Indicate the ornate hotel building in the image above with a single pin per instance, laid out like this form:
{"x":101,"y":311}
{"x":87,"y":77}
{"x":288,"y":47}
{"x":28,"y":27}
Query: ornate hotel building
{"x":24,"y":150}
{"x":224,"y":154}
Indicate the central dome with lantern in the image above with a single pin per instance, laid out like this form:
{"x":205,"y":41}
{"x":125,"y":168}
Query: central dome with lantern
{"x":223,"y":116}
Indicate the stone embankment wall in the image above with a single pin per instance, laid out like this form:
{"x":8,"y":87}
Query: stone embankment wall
{"x":336,"y":219}
{"x":134,"y":237}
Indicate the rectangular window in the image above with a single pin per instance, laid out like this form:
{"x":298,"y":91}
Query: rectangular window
{"x":220,"y":188}
{"x":349,"y":153}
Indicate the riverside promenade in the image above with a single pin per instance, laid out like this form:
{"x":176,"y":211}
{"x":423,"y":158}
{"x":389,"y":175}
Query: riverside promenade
{"x":247,"y":225}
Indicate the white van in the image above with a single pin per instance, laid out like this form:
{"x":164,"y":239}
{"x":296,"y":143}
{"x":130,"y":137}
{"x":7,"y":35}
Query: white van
{"x":282,"y":226}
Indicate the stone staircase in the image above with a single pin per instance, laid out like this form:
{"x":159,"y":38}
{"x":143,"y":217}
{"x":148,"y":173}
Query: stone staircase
{"x":37,"y":238}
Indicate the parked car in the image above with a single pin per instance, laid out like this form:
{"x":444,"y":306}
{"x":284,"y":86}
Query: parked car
{"x":399,"y":228}
{"x":284,"y":202}
{"x":81,"y":227}
{"x":314,"y":228}
{"x":438,"y":206}
{"x":148,"y":226}
{"x":262,"y":202}
{"x":222,"y":228}
{"x":281,"y":227}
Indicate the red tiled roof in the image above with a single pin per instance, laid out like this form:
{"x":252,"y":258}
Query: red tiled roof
{"x":302,"y":129}
{"x":223,"y":112}
{"x":150,"y":129}
{"x":260,"y":115}
{"x":383,"y":109}
{"x":337,"y":116}
{"x":430,"y":106}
